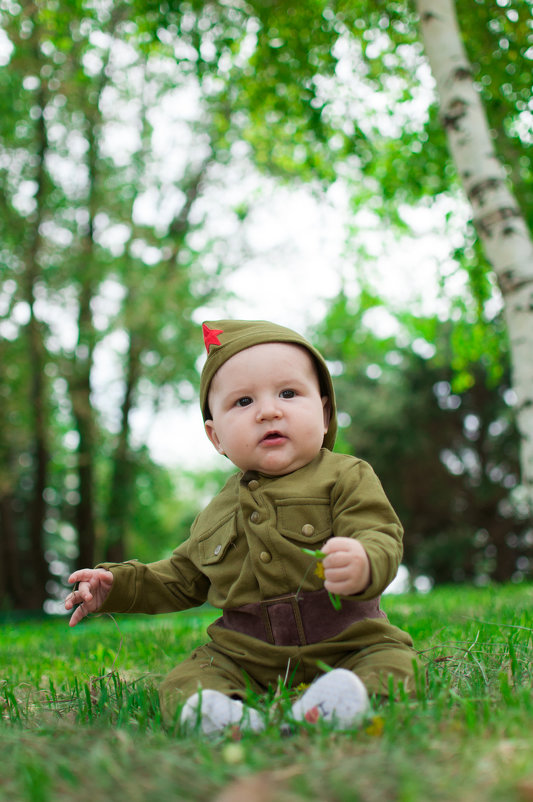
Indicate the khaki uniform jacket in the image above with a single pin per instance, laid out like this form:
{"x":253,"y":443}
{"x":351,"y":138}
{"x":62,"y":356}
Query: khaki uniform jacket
{"x":246,"y":545}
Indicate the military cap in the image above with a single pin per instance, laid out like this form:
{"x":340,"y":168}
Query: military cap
{"x":225,"y":338}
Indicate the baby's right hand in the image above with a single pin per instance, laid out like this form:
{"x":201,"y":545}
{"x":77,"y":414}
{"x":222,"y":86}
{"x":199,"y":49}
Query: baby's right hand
{"x":93,"y":589}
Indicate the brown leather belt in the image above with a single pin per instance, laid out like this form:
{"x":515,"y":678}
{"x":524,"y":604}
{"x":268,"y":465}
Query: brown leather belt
{"x":297,"y":619}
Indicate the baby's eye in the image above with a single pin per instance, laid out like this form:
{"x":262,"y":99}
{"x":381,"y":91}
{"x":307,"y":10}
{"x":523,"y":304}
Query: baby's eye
{"x":244,"y":401}
{"x":287,"y":394}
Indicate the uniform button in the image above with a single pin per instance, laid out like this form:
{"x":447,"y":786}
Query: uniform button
{"x":253,"y":484}
{"x":254,"y":517}
{"x":265,"y":557}
{"x":308,"y":530}
{"x":218,"y":549}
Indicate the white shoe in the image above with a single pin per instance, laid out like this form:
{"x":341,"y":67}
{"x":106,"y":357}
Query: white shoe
{"x":338,"y":697}
{"x":212,"y":711}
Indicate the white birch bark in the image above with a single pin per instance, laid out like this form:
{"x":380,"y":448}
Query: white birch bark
{"x":502,"y":229}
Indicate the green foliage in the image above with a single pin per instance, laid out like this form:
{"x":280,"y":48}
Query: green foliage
{"x":166,"y":504}
{"x":84,"y":279}
{"x":313,"y":92}
{"x":342,"y":90}
{"x":431,"y":409}
{"x":498,"y":42}
{"x":80,"y":710}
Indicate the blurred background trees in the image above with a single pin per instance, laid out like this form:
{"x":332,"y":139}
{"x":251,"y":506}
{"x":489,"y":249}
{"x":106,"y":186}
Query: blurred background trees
{"x":447,"y":459}
{"x":128,"y":134}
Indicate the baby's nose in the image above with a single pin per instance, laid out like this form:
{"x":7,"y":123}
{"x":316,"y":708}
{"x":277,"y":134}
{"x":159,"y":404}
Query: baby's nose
{"x":269,"y":409}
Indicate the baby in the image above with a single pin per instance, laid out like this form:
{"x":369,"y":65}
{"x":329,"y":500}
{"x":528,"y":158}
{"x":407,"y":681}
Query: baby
{"x":268,"y":404}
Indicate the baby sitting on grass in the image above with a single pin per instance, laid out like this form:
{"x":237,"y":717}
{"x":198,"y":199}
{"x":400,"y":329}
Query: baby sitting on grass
{"x":268,"y":404}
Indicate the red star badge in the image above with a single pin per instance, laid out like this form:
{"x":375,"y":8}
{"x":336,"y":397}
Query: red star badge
{"x":211,"y":336}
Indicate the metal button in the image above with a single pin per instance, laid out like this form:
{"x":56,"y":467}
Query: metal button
{"x":254,"y":517}
{"x":265,"y":557}
{"x":253,"y":484}
{"x":308,"y":530}
{"x":218,"y":549}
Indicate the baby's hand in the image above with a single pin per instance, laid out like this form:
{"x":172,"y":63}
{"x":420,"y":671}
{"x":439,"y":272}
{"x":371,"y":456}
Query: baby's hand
{"x":346,"y":566}
{"x":92,"y":591}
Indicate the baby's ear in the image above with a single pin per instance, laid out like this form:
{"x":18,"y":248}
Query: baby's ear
{"x":327,"y":412}
{"x":211,"y":433}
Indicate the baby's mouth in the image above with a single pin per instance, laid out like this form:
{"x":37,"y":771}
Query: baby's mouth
{"x":273,"y":437}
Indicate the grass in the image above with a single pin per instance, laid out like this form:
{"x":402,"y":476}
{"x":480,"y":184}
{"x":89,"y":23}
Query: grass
{"x":80,"y":715}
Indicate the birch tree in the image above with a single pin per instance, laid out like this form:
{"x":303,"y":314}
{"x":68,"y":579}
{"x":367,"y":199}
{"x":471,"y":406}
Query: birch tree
{"x":500,"y":225}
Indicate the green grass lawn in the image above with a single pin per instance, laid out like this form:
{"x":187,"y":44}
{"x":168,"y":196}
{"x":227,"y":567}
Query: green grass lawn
{"x":80,"y":715}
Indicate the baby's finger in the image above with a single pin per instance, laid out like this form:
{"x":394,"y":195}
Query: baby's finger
{"x":79,"y":613}
{"x":82,"y":575}
{"x":335,"y":544}
{"x":78,"y":596}
{"x":339,"y":587}
{"x":337,"y":559}
{"x":337,"y":574}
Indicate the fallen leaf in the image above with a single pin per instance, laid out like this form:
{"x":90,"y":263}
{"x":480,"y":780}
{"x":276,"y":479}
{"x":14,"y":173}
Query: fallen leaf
{"x":266,"y":786}
{"x":525,"y":790}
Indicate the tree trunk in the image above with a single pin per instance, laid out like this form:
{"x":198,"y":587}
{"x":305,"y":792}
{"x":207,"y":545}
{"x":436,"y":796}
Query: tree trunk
{"x":80,"y":371}
{"x":502,"y":229}
{"x":11,"y":584}
{"x":36,"y":592}
{"x":122,"y":481}
{"x":83,"y":416}
{"x":80,"y":393}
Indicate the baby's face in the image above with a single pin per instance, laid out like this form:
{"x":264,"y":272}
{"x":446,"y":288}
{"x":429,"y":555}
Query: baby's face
{"x":267,"y":413}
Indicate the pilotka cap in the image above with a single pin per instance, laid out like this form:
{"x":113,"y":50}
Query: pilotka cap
{"x":225,"y":338}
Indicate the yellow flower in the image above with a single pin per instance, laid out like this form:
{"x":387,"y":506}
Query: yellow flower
{"x":376,"y":727}
{"x":319,"y":570}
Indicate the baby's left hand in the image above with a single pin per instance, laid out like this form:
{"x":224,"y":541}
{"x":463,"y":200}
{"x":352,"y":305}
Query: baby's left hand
{"x":346,"y":566}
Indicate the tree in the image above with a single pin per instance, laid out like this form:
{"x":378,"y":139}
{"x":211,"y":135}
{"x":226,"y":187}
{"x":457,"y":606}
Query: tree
{"x":447,"y":460}
{"x":331,"y":61}
{"x":84,"y":273}
{"x":403,"y":156}
{"x":496,"y":214}
{"x":313,"y":92}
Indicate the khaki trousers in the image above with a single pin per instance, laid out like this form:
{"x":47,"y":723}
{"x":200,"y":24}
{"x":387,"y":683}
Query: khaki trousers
{"x":235,"y":664}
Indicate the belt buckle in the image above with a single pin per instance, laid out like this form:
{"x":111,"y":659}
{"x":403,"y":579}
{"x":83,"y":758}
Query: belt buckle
{"x":292,"y":600}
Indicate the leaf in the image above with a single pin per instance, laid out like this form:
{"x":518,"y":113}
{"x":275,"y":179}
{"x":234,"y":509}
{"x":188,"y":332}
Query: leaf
{"x":265,"y":786}
{"x":319,"y":571}
{"x":318,"y":555}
